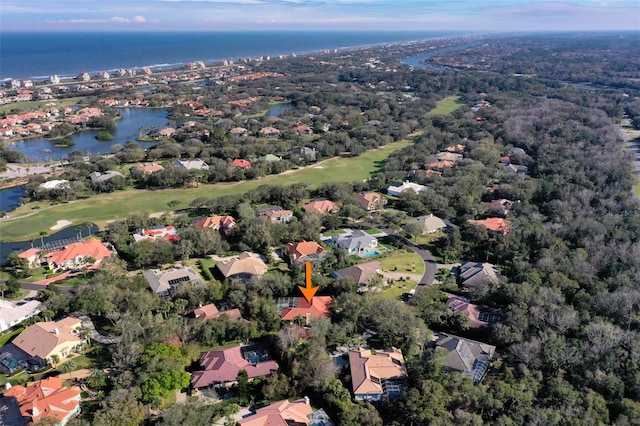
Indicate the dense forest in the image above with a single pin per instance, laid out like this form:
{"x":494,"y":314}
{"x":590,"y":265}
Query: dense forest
{"x":568,"y":343}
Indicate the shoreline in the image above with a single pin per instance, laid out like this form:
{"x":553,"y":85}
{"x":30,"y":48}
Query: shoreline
{"x":66,"y":78}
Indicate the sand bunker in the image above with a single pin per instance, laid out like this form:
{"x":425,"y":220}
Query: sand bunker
{"x":61,"y":224}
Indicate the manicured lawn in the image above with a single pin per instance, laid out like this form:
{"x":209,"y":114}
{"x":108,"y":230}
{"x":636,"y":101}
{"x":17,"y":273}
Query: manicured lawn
{"x":7,"y":337}
{"x":119,"y":205}
{"x":334,"y":233}
{"x":397,"y":289}
{"x":446,"y":106}
{"x":373,"y":231}
{"x":637,"y":187}
{"x":402,"y":261}
{"x":34,"y":105}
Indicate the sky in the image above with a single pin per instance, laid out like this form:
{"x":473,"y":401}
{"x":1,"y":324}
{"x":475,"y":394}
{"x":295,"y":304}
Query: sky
{"x":242,"y":15}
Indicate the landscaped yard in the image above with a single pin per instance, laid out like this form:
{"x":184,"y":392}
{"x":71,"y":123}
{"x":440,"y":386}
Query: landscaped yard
{"x":34,"y":105}
{"x":402,"y":261}
{"x":119,"y":205}
{"x":397,"y":289}
{"x":446,"y":106}
{"x":637,"y":187}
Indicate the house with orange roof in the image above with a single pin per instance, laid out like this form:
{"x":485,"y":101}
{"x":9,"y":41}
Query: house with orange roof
{"x":303,"y":130}
{"x":238,"y":132}
{"x":43,"y":340}
{"x":305,"y":251}
{"x":46,"y":399}
{"x":270,"y":132}
{"x":149,"y":168}
{"x":321,"y":206}
{"x":287,"y":413}
{"x":377,"y":375}
{"x":168,"y":233}
{"x":221,"y":367}
{"x":217,"y":223}
{"x":291,"y":308}
{"x":242,"y":163}
{"x":32,"y":256}
{"x":440,"y":165}
{"x":75,"y":255}
{"x":210,"y":311}
{"x":494,"y":224}
{"x":370,"y":201}
{"x":276,"y":214}
{"x":458,"y":148}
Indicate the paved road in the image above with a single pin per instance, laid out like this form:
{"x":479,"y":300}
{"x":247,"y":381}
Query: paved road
{"x":38,"y":287}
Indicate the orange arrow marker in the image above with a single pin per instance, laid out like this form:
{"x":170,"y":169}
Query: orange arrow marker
{"x":309,"y":291}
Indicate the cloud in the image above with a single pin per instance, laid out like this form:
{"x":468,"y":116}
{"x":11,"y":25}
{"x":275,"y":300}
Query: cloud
{"x":113,"y":20}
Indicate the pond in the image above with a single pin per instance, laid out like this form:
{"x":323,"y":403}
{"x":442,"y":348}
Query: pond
{"x":9,"y":198}
{"x":277,"y":109}
{"x":73,"y":231}
{"x":127,"y":129}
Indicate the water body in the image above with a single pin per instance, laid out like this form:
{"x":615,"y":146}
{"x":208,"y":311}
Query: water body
{"x":422,"y":61}
{"x":39,"y":55}
{"x":84,"y":229}
{"x":127,"y":129}
{"x":277,"y":109}
{"x":9,"y":198}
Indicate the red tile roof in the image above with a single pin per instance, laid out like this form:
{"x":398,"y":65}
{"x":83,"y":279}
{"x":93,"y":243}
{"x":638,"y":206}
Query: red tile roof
{"x":304,"y":249}
{"x":281,"y":413}
{"x":495,"y":224}
{"x":321,"y":206}
{"x":318,"y":307}
{"x":46,"y":398}
{"x":92,"y":247}
{"x":216,"y":222}
{"x":239,"y":162}
{"x":223,"y":365}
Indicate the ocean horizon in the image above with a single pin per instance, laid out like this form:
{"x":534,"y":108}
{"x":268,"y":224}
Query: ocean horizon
{"x":37,"y":55}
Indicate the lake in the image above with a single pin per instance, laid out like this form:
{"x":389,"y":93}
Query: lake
{"x":9,"y":198}
{"x":421,"y":61}
{"x":127,"y":128}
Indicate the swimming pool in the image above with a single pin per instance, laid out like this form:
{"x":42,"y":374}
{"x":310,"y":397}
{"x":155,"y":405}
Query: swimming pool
{"x":370,"y":254}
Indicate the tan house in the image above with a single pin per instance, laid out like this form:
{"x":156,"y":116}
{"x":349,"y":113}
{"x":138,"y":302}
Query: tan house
{"x":76,"y":255}
{"x":243,"y":267}
{"x":370,"y":201}
{"x":321,"y":206}
{"x":377,"y":375}
{"x":46,"y":339}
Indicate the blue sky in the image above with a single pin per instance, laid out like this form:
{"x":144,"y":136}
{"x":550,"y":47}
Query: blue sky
{"x":211,"y":15}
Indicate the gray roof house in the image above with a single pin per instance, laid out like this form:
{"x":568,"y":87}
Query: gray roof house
{"x":101,"y":177}
{"x":469,"y":357}
{"x":363,"y":274}
{"x":196,"y":164}
{"x":164,"y":283}
{"x":474,"y":274}
{"x":302,"y":152}
{"x":358,"y":242}
{"x":430,"y":224}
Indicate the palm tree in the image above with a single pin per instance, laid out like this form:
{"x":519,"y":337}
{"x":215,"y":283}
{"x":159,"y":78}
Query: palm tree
{"x":55,"y":359}
{"x":42,"y":235}
{"x":69,"y":367}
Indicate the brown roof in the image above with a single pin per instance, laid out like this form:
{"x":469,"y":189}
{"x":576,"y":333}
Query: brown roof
{"x":362,"y":273}
{"x":281,"y":413}
{"x":216,"y":222}
{"x":321,"y":206}
{"x":210,"y":311}
{"x":304,"y":249}
{"x":149,"y":167}
{"x":41,"y":339}
{"x":495,"y":224}
{"x":245,"y":264}
{"x":382,"y":365}
{"x":318,"y":307}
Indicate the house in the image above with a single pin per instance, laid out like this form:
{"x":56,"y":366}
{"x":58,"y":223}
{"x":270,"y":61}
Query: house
{"x":397,"y":190}
{"x":238,"y":132}
{"x":370,"y":201}
{"x":217,"y":223}
{"x":210,"y":311}
{"x":239,"y":162}
{"x":479,"y":316}
{"x":430,"y":224}
{"x":321,"y":206}
{"x":494,"y":224}
{"x":83,"y":76}
{"x":196,"y":164}
{"x":303,"y":152}
{"x":243,"y":267}
{"x":270,"y":132}
{"x":55,"y":184}
{"x":76,"y":255}
{"x":270,"y":158}
{"x":221,"y":367}
{"x":499,"y":207}
{"x":44,"y":340}
{"x":377,"y":375}
{"x":165,"y":283}
{"x":292,"y":307}
{"x":97,"y":177}
{"x":363,"y":274}
{"x":287,"y":413}
{"x":46,"y":399}
{"x":440,"y":165}
{"x":32,"y":256}
{"x":458,"y":148}
{"x":13,"y":314}
{"x":303,"y":130}
{"x":168,"y":233}
{"x":475,"y":274}
{"x":305,"y":251}
{"x":448,"y":156}
{"x":516,"y":169}
{"x":149,"y":168}
{"x":469,"y":357}
{"x":276,"y":214}
{"x":358,"y":242}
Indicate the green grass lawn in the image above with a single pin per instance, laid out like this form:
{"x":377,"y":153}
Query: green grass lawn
{"x":373,"y":231}
{"x":637,"y":187}
{"x":334,"y":233}
{"x":446,"y":106}
{"x":9,"y":336}
{"x":402,"y":261}
{"x":34,"y":105}
{"x":104,"y":207}
{"x":397,"y":289}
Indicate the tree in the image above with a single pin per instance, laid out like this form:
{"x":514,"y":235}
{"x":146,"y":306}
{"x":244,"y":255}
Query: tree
{"x":68,"y":367}
{"x":55,"y":359}
{"x":243,"y":386}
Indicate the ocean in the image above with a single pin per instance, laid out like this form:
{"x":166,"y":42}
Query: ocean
{"x":38,"y":55}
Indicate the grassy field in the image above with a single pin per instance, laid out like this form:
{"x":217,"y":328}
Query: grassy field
{"x":402,"y":261}
{"x":446,"y":106}
{"x":637,"y":187}
{"x":29,"y":220}
{"x":34,"y":105}
{"x":397,"y":289}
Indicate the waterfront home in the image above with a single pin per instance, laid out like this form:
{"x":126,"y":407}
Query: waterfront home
{"x":168,"y":233}
{"x":78,"y":255}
